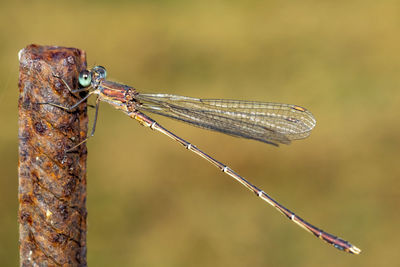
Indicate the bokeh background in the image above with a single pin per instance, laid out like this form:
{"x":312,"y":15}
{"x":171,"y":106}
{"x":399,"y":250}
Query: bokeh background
{"x":152,"y":203}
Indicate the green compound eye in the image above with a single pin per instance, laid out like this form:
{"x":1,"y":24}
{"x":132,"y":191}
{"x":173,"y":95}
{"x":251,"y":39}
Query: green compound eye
{"x":85,"y":78}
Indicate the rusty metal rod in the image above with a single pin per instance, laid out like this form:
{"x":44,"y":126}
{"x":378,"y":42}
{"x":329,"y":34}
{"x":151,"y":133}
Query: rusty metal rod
{"x":52,"y":183}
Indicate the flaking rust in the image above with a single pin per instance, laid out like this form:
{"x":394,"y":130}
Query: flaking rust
{"x":52,"y":183}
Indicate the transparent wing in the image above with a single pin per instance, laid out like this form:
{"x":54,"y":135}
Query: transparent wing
{"x":266,"y":122}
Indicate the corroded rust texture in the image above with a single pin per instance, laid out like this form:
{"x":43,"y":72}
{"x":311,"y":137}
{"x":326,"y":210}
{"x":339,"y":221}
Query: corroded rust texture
{"x":52,"y":183}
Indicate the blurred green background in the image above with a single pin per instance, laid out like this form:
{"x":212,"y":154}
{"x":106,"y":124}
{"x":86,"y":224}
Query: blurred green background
{"x":152,"y":203}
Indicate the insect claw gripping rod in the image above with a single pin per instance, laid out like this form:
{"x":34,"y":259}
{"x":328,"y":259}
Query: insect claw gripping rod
{"x":271,"y":123}
{"x":52,"y":184}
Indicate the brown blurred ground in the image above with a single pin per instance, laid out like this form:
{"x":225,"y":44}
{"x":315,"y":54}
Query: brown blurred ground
{"x":151,"y":203}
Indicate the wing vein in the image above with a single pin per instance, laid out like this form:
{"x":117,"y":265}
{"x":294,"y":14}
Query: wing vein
{"x":263,"y":121}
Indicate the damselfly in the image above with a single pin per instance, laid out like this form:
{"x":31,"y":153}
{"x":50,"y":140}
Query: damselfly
{"x":271,"y":123}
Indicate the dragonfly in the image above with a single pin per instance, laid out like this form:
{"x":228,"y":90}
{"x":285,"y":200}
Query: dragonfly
{"x":271,"y":123}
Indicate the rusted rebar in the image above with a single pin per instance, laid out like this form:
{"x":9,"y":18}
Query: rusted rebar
{"x":52,"y":183}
